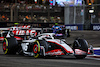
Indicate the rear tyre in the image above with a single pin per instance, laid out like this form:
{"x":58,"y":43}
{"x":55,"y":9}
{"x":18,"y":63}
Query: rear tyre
{"x":10,"y":45}
{"x":82,"y":45}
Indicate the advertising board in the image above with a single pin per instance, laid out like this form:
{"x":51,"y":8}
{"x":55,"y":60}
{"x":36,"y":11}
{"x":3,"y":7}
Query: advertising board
{"x":69,"y":2}
{"x":95,"y":26}
{"x":74,"y":26}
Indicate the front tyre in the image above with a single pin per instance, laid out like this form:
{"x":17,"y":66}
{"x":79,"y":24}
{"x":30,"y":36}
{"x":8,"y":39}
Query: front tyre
{"x":36,"y":49}
{"x":80,"y":48}
{"x":80,"y":56}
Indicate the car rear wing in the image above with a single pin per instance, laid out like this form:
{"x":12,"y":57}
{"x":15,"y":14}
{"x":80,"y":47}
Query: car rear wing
{"x":4,"y":29}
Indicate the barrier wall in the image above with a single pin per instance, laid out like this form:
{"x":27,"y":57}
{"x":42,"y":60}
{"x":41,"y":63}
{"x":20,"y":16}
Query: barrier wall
{"x":74,"y":26}
{"x":45,"y":25}
{"x":49,"y":25}
{"x":95,"y":26}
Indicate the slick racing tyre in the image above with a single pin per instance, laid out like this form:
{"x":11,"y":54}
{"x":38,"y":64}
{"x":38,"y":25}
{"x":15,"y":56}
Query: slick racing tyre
{"x":10,"y":45}
{"x":80,"y":48}
{"x":36,"y":49}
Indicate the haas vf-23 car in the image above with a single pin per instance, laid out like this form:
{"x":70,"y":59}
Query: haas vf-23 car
{"x":46,"y":44}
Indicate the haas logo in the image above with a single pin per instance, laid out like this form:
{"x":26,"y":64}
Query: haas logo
{"x":24,"y":32}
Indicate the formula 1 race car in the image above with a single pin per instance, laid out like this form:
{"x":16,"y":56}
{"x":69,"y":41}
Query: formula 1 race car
{"x":59,"y":30}
{"x":45,"y":44}
{"x":17,"y":30}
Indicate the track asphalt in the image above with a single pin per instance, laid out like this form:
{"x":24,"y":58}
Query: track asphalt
{"x":65,"y":61}
{"x":92,"y":37}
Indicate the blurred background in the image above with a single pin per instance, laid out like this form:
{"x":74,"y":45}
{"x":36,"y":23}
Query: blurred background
{"x":79,"y":13}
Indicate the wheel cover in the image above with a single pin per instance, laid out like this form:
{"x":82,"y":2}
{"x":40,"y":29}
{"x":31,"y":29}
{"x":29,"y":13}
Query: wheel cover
{"x":36,"y":49}
{"x":5,"y":45}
